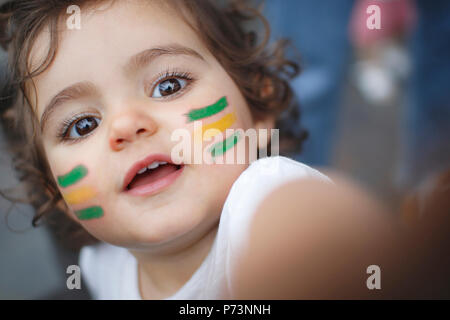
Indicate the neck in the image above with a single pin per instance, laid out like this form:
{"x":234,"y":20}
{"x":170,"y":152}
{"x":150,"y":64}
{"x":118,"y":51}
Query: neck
{"x":162,"y":275}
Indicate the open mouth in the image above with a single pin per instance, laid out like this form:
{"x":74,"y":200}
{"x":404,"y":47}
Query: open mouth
{"x":151,"y":175}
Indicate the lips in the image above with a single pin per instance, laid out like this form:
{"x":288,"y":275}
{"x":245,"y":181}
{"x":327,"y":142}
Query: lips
{"x":150,"y":175}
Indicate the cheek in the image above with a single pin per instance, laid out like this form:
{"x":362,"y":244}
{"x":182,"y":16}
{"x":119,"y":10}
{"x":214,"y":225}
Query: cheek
{"x":211,"y":128}
{"x":79,"y":190}
{"x":218,"y":181}
{"x":243,"y":114}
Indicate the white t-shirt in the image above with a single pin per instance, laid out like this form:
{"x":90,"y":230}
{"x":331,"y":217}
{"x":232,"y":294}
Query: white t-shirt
{"x":110,"y":272}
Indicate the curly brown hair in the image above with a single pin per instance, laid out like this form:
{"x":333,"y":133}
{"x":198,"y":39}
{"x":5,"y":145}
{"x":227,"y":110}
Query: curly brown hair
{"x":223,"y":27}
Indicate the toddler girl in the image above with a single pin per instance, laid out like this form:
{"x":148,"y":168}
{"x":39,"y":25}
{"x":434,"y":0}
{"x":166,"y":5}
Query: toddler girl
{"x":105,"y":94}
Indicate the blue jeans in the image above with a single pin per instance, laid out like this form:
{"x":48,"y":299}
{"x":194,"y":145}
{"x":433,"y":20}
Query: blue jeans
{"x":426,"y":122}
{"x":319,"y":30}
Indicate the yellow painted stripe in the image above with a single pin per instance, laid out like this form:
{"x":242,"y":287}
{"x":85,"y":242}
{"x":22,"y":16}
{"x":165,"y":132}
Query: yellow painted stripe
{"x":222,"y":124}
{"x":80,"y":195}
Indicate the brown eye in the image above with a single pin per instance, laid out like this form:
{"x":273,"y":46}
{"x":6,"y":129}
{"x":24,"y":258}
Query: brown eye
{"x":168,"y":87}
{"x":83,"y":127}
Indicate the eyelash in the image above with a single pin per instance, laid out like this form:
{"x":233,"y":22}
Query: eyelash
{"x":67,"y":125}
{"x":169,"y":74}
{"x":161,"y":77}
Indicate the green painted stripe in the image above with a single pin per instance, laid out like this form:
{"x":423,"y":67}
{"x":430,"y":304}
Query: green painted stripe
{"x":208,"y":111}
{"x":89,"y":213}
{"x":73,"y":176}
{"x":221,"y":147}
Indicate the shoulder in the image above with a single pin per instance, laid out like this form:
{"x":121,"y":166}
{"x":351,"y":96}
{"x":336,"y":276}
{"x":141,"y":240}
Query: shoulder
{"x":253,"y":186}
{"x":264,"y":176}
{"x":281,"y":168}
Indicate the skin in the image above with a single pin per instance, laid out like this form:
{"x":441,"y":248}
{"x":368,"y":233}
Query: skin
{"x":170,"y":233}
{"x":319,"y":246}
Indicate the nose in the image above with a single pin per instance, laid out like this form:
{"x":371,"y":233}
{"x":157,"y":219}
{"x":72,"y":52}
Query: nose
{"x":129,"y":127}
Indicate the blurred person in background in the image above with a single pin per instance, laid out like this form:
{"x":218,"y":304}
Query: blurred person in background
{"x":321,"y":31}
{"x":382,"y":62}
{"x":426,"y":125}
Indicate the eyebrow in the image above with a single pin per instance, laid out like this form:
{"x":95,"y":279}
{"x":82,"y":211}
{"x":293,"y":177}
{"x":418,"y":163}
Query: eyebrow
{"x":134,"y":64}
{"x":145,"y":57}
{"x":73,"y":92}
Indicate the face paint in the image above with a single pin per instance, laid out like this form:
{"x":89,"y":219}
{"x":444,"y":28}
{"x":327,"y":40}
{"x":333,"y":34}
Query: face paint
{"x":224,"y":123}
{"x":73,"y":176}
{"x":221,"y":147}
{"x":208,"y":111}
{"x":89,"y":213}
{"x":80,"y":195}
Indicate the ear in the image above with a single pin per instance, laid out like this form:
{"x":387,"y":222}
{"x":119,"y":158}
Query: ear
{"x":268,"y":122}
{"x":267,"y":89}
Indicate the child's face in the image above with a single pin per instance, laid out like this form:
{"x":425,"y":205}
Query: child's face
{"x":126,"y":110}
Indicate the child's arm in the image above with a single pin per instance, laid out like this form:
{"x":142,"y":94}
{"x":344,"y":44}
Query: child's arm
{"x":311,"y":239}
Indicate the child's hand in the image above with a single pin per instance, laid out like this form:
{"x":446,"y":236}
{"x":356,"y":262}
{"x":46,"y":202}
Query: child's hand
{"x":311,"y":240}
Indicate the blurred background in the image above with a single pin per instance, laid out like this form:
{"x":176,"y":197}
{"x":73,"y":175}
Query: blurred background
{"x":374,"y":95}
